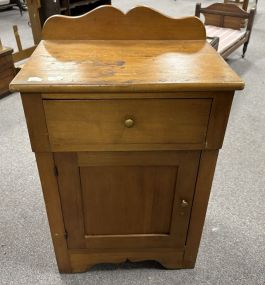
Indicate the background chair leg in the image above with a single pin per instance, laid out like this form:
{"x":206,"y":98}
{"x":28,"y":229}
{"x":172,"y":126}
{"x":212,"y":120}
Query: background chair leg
{"x":22,"y":7}
{"x":19,"y":6}
{"x":244,"y":49}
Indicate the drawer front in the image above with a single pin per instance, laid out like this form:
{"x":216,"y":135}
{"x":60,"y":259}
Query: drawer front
{"x":77,"y":123}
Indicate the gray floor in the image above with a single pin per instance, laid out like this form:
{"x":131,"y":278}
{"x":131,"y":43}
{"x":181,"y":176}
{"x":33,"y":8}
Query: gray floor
{"x":233,"y":245}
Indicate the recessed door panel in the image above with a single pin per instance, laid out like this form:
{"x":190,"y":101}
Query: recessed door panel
{"x":121,"y":200}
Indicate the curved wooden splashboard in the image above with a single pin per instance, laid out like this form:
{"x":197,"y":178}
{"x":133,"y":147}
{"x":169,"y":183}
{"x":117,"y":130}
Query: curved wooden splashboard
{"x":109,"y":23}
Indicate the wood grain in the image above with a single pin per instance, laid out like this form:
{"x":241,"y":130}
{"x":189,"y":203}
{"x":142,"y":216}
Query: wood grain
{"x":70,"y":189}
{"x":109,"y":23}
{"x":83,"y":260}
{"x":77,"y":123}
{"x":218,"y":120}
{"x":199,"y":206}
{"x":52,"y":199}
{"x":127,"y":158}
{"x":137,"y":199}
{"x":108,"y":66}
{"x":130,"y":204}
{"x":134,"y":95}
{"x":225,"y":15}
{"x":142,"y":193}
{"x":36,"y":122}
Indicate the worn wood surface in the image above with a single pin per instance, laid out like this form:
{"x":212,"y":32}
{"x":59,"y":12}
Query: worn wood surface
{"x":108,"y":66}
{"x":109,"y":23}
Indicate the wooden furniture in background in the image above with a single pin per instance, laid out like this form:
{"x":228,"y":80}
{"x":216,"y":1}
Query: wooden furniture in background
{"x":244,"y":4}
{"x":6,"y":4}
{"x":41,"y":10}
{"x":213,"y":41}
{"x":7,"y":69}
{"x":77,"y":7}
{"x":126,"y":133}
{"x":34,"y":16}
{"x":230,"y":23}
{"x":241,"y":3}
{"x":21,"y":54}
{"x":10,"y":62}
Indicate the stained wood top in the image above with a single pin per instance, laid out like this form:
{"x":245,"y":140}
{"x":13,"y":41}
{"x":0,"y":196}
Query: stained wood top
{"x":125,"y":66}
{"x":108,"y":51}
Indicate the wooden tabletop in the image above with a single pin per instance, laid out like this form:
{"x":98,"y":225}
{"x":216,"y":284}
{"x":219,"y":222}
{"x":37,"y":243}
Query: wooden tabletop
{"x":125,"y":66}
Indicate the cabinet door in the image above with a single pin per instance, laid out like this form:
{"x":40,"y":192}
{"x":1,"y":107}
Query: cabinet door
{"x":127,"y":199}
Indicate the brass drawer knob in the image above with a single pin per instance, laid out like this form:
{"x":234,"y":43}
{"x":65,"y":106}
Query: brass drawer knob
{"x":184,"y":204}
{"x":129,"y":123}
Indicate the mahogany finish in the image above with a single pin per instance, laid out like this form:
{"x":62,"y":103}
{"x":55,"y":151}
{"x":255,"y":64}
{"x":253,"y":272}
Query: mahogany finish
{"x":126,"y":135}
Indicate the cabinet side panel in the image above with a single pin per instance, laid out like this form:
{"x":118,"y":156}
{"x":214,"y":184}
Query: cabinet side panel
{"x":53,"y":207}
{"x":199,"y":207}
{"x":36,"y":122}
{"x":218,"y":120}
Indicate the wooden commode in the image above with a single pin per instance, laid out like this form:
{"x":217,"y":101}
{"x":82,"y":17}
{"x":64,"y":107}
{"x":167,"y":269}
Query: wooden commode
{"x":126,"y":120}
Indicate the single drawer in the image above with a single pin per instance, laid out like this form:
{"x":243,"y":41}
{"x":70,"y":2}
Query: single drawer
{"x":73,"y":124}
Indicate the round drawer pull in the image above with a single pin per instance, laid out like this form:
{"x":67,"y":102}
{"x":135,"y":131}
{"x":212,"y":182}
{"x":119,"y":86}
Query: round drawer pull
{"x":129,"y":123}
